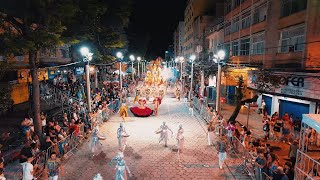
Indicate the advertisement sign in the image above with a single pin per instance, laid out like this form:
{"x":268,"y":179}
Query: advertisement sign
{"x":295,"y":84}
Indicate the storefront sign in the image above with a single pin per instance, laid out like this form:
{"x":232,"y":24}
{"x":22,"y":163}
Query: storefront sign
{"x":300,"y":84}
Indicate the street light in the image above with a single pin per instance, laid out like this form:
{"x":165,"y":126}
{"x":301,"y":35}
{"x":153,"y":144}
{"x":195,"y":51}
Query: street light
{"x":139,"y":59}
{"x":217,"y":59}
{"x":132,"y":60}
{"x":120,"y":57}
{"x":192,"y":59}
{"x":87,"y":57}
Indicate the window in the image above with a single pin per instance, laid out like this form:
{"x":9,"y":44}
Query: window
{"x":227,"y":29}
{"x":260,"y":14}
{"x":257,"y":44}
{"x":235,"y":48}
{"x":292,"y":40}
{"x":235,"y":25}
{"x":289,"y":7}
{"x":228,"y":7}
{"x":227,"y":49}
{"x":245,"y":46}
{"x":246,"y":20}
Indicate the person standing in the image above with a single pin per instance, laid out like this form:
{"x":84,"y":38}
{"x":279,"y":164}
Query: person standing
{"x":164,"y":130}
{"x":180,"y":139}
{"x":121,"y":167}
{"x":211,"y":129}
{"x":122,"y":137}
{"x":191,"y":107}
{"x":54,"y":167}
{"x":28,"y":169}
{"x":293,"y":152}
{"x":222,"y":151}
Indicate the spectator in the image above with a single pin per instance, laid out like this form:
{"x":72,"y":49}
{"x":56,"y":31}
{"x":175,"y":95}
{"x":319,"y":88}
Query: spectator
{"x":266,"y":130}
{"x":277,"y":129}
{"x":1,"y":174}
{"x":260,"y":163}
{"x":26,"y":152}
{"x":28,"y":169}
{"x":47,"y":144}
{"x":297,"y":128}
{"x":43,"y":120}
{"x":54,"y":167}
{"x":286,"y":131}
{"x":288,"y":170}
{"x":293,"y":152}
{"x":279,"y":174}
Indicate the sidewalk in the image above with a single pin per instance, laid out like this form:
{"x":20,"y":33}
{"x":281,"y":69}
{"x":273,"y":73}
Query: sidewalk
{"x":256,"y":125}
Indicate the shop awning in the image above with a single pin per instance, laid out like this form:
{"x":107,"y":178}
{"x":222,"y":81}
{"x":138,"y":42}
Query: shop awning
{"x":312,"y":120}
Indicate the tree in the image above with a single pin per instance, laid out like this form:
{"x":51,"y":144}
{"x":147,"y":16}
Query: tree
{"x":5,"y":89}
{"x":264,"y":81}
{"x":30,"y":25}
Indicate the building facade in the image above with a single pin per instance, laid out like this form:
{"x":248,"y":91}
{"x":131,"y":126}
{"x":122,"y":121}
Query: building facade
{"x":282,"y":36}
{"x":178,"y":39}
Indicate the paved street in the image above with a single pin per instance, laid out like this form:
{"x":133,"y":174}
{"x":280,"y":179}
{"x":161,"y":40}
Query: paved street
{"x":146,"y":158}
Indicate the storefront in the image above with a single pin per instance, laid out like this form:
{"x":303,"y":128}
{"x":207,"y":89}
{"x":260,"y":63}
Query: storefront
{"x":297,"y":94}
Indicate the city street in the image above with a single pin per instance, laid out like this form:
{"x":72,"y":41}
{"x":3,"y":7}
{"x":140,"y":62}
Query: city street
{"x":146,"y":158}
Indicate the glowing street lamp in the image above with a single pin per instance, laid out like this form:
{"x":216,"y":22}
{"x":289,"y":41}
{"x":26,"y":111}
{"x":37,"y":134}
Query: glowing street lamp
{"x":132,"y":60}
{"x":217,"y":59}
{"x":87,"y":57}
{"x":120,"y":57}
{"x":139,"y":59}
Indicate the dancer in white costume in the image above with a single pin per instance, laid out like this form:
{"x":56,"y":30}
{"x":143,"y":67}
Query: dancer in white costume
{"x":180,"y":139}
{"x":121,"y":167}
{"x":163,"y":131}
{"x":97,"y":177}
{"x":122,"y":137}
{"x":95,"y":144}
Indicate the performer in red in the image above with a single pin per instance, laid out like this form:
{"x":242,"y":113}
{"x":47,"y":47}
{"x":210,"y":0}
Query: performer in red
{"x":141,"y":110}
{"x":156,"y":102}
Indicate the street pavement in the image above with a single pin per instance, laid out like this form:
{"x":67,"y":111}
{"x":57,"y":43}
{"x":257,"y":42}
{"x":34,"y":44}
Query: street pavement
{"x":149,"y":159}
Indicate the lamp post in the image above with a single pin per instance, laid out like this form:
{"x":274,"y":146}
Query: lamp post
{"x":139,"y":59}
{"x":192,"y":58}
{"x":120,"y":57}
{"x":132,"y":60}
{"x":87,"y":57}
{"x":181,"y":59}
{"x":217,"y":59}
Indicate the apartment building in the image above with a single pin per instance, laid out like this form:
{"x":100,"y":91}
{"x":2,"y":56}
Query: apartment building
{"x":283,"y":36}
{"x":178,"y":39}
{"x":193,"y":10}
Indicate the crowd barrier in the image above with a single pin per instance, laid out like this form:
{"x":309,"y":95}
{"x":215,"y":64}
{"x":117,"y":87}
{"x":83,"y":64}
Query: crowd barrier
{"x":236,"y":148}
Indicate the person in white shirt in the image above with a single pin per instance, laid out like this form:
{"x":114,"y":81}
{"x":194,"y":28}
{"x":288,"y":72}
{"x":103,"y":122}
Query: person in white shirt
{"x":28,"y":169}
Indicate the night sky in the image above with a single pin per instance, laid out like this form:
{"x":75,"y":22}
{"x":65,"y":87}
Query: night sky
{"x":152,"y":25}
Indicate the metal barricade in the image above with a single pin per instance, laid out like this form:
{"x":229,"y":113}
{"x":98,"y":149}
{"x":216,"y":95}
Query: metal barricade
{"x":306,"y":167}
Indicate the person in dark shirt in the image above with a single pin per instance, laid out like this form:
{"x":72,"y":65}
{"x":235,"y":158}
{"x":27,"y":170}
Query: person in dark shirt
{"x":26,"y":152}
{"x":288,"y":170}
{"x":297,"y":128}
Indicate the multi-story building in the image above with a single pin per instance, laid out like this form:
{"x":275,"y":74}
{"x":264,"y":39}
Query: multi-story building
{"x":178,"y":39}
{"x":195,"y":9}
{"x":283,"y":36}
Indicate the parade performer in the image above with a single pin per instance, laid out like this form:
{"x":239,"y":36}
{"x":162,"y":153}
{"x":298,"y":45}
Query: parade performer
{"x":163,"y":131}
{"x":97,"y":177}
{"x":141,"y":110}
{"x":121,"y":167}
{"x":122,"y":137}
{"x":211,"y":129}
{"x":137,"y":96}
{"x":95,"y":144}
{"x":161,"y":93}
{"x":148,"y":94}
{"x":180,"y":139}
{"x":123,"y":112}
{"x":156,"y":102}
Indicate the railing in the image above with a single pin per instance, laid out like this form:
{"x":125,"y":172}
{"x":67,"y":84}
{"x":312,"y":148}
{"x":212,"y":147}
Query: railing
{"x":306,"y":167}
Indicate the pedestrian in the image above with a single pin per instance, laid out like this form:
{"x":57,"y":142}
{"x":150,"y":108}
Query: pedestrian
{"x":180,"y":139}
{"x":54,"y":167}
{"x":277,"y":129}
{"x":211,"y":129}
{"x":163,"y":131}
{"x":297,"y":128}
{"x":266,"y":130}
{"x":222,"y":150}
{"x":293,"y":152}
